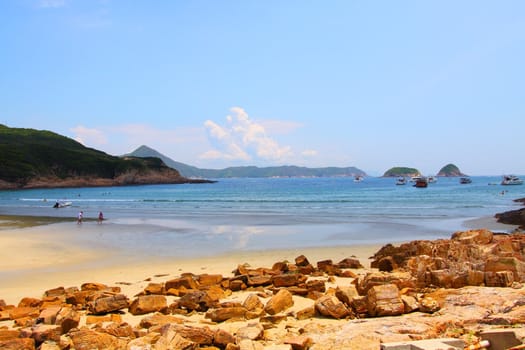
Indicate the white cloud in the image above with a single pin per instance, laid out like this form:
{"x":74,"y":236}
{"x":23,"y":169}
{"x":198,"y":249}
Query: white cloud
{"x":243,"y":139}
{"x":309,"y":153}
{"x":87,"y":136}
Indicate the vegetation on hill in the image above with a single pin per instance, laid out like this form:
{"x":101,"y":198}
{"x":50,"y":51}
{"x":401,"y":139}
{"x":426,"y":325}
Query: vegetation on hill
{"x":450,"y":170}
{"x":36,"y":158}
{"x":401,"y":171}
{"x":248,"y":171}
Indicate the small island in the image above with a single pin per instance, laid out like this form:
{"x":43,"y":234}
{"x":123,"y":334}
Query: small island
{"x":401,"y":171}
{"x":450,"y":170}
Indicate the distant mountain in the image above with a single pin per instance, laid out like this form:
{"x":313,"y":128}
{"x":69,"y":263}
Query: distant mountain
{"x":38,"y":158}
{"x":401,"y":171}
{"x":247,"y":171}
{"x":450,"y":170}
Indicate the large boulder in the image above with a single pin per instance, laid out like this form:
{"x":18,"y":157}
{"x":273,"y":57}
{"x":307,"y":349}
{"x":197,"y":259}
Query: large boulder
{"x":385,"y":300}
{"x":330,"y":306}
{"x":147,"y":304}
{"x":279,"y":302}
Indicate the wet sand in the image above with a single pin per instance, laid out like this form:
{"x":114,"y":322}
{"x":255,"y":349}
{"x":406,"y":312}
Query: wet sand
{"x":38,"y":258}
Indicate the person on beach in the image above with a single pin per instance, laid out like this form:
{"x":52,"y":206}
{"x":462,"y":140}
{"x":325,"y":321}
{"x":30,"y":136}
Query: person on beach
{"x":80,"y":217}
{"x":100,"y":217}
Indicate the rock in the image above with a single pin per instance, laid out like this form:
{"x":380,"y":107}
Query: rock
{"x":512,"y":264}
{"x":279,"y":302}
{"x":346,"y":294}
{"x":186,"y":281}
{"x":225,"y":313}
{"x":155,"y":288}
{"x":316,"y":285}
{"x":429,"y":305}
{"x":67,"y":318}
{"x":6,"y":334}
{"x":512,"y":217}
{"x":159,"y":320}
{"x":20,"y":312}
{"x":349,"y":263}
{"x":299,"y":342}
{"x":199,"y":335}
{"x":93,"y":287}
{"x":207,"y":280}
{"x":328,"y":267}
{"x":86,"y":339}
{"x":384,"y":300}
{"x":482,"y":236}
{"x":301,"y":260}
{"x":252,"y":302}
{"x":222,"y":338}
{"x":55,"y":292}
{"x":108,"y":304}
{"x":197,"y":300}
{"x":148,"y":303}
{"x":288,"y":280}
{"x":18,"y":344}
{"x":30,"y":302}
{"x":252,"y":331}
{"x":43,"y":332}
{"x":400,"y":279}
{"x":49,"y":315}
{"x":330,"y":306}
{"x":410,"y":303}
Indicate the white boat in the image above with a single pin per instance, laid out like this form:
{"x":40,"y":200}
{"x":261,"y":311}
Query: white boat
{"x":401,"y":181}
{"x":358,"y":178}
{"x":62,"y":204}
{"x":511,"y":180}
{"x":431,"y":179}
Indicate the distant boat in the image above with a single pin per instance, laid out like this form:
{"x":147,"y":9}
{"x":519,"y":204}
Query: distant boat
{"x":415,"y":178}
{"x":358,"y":178}
{"x":431,"y":179}
{"x":465,"y":180}
{"x":421,"y":182}
{"x":511,"y":180}
{"x":62,"y":204}
{"x":401,"y":181}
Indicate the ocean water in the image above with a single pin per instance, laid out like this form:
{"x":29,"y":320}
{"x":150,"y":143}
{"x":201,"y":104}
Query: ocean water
{"x":245,"y":214}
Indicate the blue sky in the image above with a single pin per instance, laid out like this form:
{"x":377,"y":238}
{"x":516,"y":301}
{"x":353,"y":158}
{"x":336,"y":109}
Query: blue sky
{"x":371,"y":84}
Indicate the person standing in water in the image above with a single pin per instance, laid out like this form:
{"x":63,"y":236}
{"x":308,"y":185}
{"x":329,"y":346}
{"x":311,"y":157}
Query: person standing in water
{"x":100,"y":217}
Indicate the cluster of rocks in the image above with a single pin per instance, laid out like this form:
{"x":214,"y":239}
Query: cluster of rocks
{"x":513,"y":217}
{"x":54,"y":321}
{"x":469,"y":258}
{"x":198,"y":311}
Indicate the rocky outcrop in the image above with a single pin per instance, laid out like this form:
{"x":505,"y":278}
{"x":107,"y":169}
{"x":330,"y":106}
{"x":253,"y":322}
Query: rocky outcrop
{"x":476,"y":257}
{"x":205,"y":311}
{"x":512,"y":217}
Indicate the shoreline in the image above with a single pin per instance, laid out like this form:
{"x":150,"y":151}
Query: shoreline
{"x":41,"y":253}
{"x":37,"y":258}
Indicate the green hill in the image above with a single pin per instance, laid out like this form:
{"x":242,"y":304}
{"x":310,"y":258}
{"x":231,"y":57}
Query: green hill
{"x":36,"y":158}
{"x":247,"y":171}
{"x":450,"y":170}
{"x":401,"y":171}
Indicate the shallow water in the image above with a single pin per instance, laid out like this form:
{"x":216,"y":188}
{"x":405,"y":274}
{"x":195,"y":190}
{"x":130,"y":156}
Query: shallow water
{"x":255,"y":214}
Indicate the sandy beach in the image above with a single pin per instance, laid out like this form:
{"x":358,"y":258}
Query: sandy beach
{"x":42,"y":257}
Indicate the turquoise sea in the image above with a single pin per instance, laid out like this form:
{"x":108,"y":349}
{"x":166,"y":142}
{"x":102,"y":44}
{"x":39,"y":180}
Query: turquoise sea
{"x":275,"y":213}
